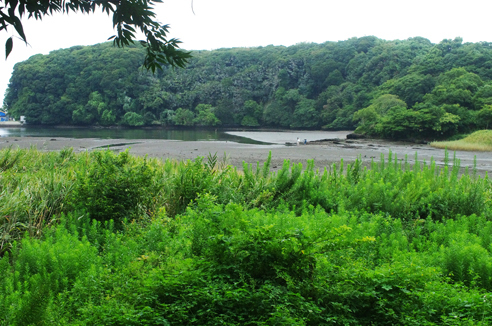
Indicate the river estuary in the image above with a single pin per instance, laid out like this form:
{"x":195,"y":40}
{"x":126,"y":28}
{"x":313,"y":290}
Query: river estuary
{"x":237,"y":146}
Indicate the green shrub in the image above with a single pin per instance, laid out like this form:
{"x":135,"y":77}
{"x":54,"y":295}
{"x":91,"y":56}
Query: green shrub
{"x":197,"y":243}
{"x":40,"y":271}
{"x":112,"y":187}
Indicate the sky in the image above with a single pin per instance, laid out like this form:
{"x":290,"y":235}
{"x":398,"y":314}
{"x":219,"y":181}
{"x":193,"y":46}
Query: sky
{"x":214,"y":24}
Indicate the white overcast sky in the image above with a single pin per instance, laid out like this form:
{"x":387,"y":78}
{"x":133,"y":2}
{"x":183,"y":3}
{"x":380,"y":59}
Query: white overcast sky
{"x":240,"y":23}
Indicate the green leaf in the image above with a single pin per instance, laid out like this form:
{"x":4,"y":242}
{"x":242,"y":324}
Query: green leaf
{"x":387,"y":287}
{"x":8,"y":47}
{"x":18,"y":27}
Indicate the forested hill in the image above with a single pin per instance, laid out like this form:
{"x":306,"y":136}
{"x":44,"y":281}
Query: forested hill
{"x":394,"y":89}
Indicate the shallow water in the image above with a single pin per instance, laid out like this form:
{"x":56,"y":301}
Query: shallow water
{"x":248,"y":137}
{"x":121,"y":133}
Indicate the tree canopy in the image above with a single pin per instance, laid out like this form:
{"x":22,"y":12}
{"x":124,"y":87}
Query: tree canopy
{"x":397,"y":89}
{"x":129,"y":17}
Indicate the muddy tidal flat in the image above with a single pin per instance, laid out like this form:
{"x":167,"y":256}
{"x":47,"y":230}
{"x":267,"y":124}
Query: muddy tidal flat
{"x":324,"y":149}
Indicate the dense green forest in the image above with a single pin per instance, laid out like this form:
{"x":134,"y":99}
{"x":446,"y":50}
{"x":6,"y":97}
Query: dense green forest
{"x":393,"y":89}
{"x":104,"y":239}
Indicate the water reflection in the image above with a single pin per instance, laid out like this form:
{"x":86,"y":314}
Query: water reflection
{"x":117,"y":133}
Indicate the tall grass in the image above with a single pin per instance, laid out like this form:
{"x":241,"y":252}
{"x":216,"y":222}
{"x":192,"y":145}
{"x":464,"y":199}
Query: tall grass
{"x":36,"y":187}
{"x":33,"y":190}
{"x":478,"y":141}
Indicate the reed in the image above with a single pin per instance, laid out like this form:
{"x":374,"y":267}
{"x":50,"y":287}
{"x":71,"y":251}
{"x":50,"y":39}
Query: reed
{"x":478,"y":141}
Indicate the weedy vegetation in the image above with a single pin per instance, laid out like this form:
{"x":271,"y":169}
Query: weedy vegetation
{"x":478,"y":141}
{"x":105,"y":239}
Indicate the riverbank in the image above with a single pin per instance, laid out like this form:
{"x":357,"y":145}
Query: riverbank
{"x":324,"y":154}
{"x":11,"y":124}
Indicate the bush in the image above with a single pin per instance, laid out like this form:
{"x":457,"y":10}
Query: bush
{"x":41,"y":270}
{"x":205,"y":244}
{"x":133,"y":119}
{"x":112,"y":187}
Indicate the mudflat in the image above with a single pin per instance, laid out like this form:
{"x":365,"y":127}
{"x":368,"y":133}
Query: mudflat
{"x":324,"y":153}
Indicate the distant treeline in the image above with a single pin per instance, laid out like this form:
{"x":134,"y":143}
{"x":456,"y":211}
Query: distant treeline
{"x":392,"y":89}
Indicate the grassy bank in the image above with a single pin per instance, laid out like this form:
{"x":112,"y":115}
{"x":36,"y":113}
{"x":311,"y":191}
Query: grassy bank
{"x":478,"y":141}
{"x":99,"y":238}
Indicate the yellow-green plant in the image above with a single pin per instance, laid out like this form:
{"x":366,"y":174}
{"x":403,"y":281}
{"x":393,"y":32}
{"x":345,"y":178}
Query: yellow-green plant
{"x":478,"y":141}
